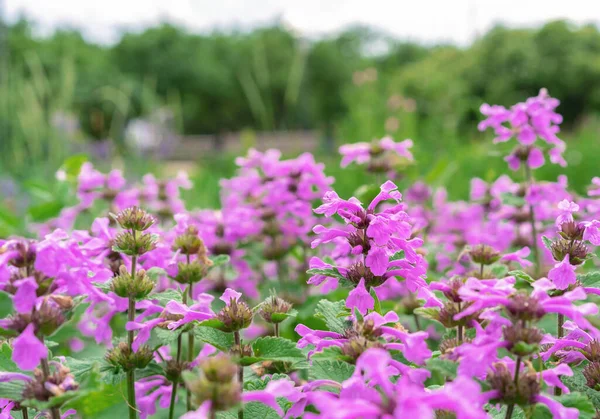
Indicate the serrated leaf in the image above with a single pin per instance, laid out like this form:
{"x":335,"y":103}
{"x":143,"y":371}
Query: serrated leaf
{"x":430,"y":313}
{"x":512,"y":200}
{"x":577,"y":382}
{"x":6,"y":362}
{"x":216,"y":323}
{"x":547,"y":242}
{"x":499,"y":271}
{"x":522,"y":276}
{"x":328,"y":369}
{"x":259,"y":410}
{"x":272,"y":348}
{"x":397,"y":256}
{"x":215,"y":337}
{"x":590,"y":279}
{"x":219,"y":260}
{"x":334,"y":315}
{"x":377,"y":306}
{"x":155,"y":273}
{"x":445,"y":367}
{"x":164,"y":297}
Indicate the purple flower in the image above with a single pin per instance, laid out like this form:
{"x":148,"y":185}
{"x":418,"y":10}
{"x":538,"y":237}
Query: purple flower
{"x":563,"y":274}
{"x":25,"y":298}
{"x":28,"y":350}
{"x":360,"y":299}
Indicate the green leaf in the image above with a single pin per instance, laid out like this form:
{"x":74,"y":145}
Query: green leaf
{"x":377,"y":306}
{"x":275,"y":349}
{"x":523,"y":276}
{"x":430,"y":313}
{"x":499,"y":271}
{"x":72,"y":165}
{"x":5,"y":304}
{"x":166,"y":336}
{"x":219,"y":260}
{"x":279,"y":317}
{"x":6,"y":362}
{"x":216,"y":323}
{"x":164,"y":297}
{"x":334,"y":315}
{"x":577,"y":382}
{"x":12,"y":390}
{"x":547,"y":242}
{"x":397,"y":256}
{"x":328,"y":369}
{"x":591,"y":279}
{"x":215,"y":337}
{"x":512,"y":200}
{"x":155,"y":273}
{"x":331,"y":272}
{"x":445,"y":367}
{"x":259,"y":410}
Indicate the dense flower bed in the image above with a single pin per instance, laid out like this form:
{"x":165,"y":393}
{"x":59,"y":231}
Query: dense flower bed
{"x":291,"y":301}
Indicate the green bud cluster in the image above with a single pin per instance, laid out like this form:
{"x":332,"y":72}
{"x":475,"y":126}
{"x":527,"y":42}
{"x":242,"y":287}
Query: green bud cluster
{"x":126,"y":286}
{"x":122,"y":356}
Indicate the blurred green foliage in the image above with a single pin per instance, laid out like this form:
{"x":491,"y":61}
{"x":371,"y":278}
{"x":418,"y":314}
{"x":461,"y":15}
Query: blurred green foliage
{"x":273,"y":78}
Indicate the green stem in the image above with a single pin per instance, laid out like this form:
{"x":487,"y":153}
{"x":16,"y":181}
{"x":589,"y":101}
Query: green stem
{"x":276,"y":327}
{"x":534,"y":233}
{"x":130,"y":337}
{"x":511,"y":407}
{"x":459,"y":329}
{"x":190,"y":353}
{"x":417,"y":322}
{"x":24,"y":413}
{"x":560,"y":320}
{"x":175,"y":382}
{"x":54,"y":412}
{"x":238,"y":344}
{"x":481,"y":272}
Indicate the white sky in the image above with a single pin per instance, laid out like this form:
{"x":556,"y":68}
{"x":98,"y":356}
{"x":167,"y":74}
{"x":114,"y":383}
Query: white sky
{"x":425,"y":20}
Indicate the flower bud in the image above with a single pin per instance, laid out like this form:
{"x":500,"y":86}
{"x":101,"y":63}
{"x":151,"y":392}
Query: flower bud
{"x":235,"y":316}
{"x":243,"y":351}
{"x":218,"y":369}
{"x":134,"y":244}
{"x":591,"y":372}
{"x":274,"y":309}
{"x":134,"y":218}
{"x":358,"y":271}
{"x":522,"y":341}
{"x":482,"y":254}
{"x":58,"y":383}
{"x":174,"y":368}
{"x":521,"y":393}
{"x":357,"y":345}
{"x":524,"y":307}
{"x":592,"y":351}
{"x":190,"y":273}
{"x":48,"y":318}
{"x":26,"y":254}
{"x":189,"y":243}
{"x":572,"y":231}
{"x":576,"y":250}
{"x":126,"y":286}
{"x":123,"y":357}
{"x":455,"y":285}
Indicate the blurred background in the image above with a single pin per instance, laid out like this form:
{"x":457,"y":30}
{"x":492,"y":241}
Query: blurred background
{"x":155,"y":86}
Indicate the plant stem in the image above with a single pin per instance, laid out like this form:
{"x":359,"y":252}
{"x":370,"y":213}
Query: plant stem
{"x":511,"y":407}
{"x":481,"y":272}
{"x":54,"y":412}
{"x":534,"y":233}
{"x":24,"y":413}
{"x":560,"y":320}
{"x":459,"y":329}
{"x":238,"y":343}
{"x":190,"y":353}
{"x":417,"y":322}
{"x":276,"y":327}
{"x":175,"y":382}
{"x":130,"y":336}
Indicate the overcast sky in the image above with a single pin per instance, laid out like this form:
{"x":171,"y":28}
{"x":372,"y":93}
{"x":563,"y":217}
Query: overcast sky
{"x":426,"y":20}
